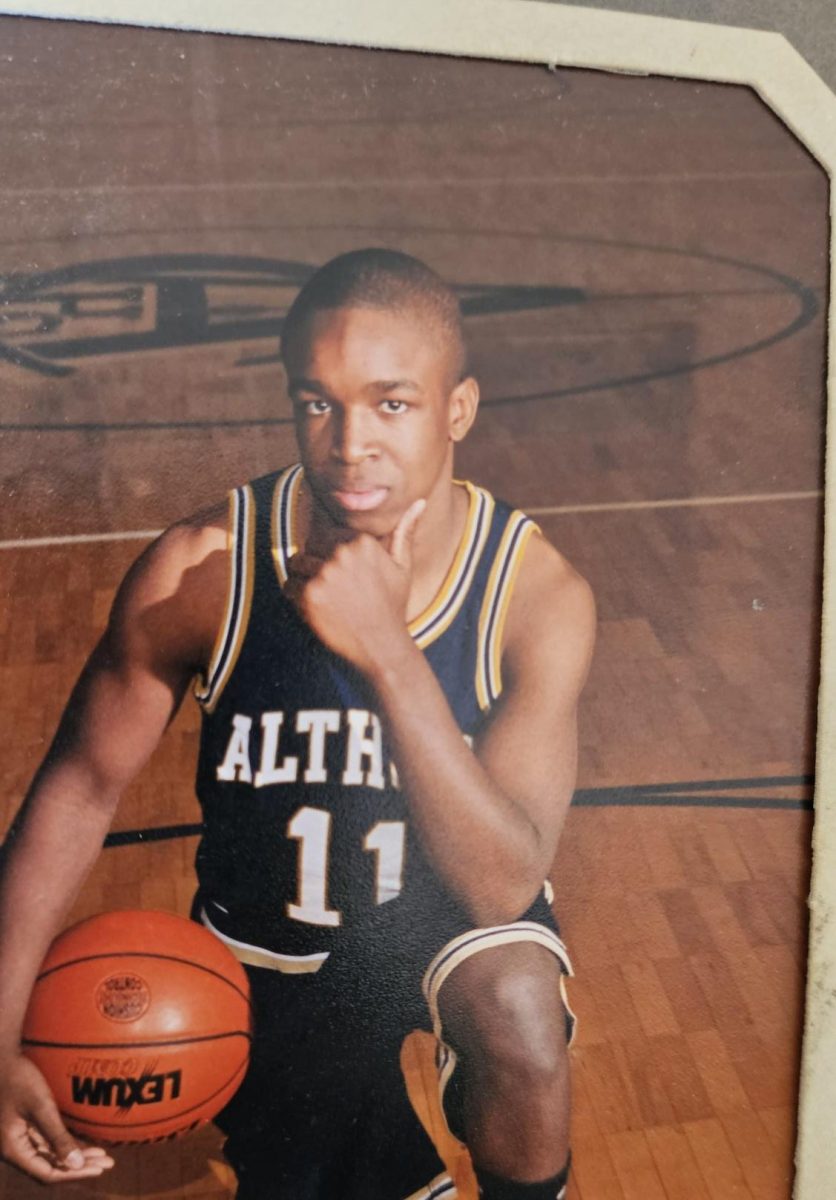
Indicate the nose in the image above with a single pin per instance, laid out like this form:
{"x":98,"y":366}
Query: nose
{"x":353,"y":438}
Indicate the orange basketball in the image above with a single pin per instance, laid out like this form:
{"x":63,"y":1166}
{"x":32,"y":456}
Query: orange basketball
{"x":140,"y":1022}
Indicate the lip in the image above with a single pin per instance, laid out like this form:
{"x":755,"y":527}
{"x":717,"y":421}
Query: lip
{"x":358,"y":499}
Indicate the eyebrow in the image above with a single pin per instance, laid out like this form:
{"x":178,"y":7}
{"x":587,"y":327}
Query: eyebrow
{"x":306,"y":385}
{"x":379,"y":385}
{"x":391,"y":385}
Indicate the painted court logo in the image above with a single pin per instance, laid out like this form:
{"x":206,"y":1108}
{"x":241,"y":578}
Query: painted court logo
{"x":51,"y":321}
{"x":579,"y":316}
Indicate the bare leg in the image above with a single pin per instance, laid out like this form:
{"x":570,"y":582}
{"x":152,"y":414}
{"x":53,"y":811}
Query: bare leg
{"x":503,"y":1016}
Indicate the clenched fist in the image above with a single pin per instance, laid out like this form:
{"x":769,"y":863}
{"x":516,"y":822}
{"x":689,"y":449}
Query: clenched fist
{"x":353,"y":590}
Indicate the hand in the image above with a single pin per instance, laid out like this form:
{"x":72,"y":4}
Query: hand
{"x":353,"y":589}
{"x":32,"y":1135}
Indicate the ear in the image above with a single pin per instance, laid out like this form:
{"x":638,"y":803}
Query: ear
{"x":462,"y":407}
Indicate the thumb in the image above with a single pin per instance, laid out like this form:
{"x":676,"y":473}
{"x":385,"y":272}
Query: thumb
{"x":400,"y":547}
{"x":64,"y":1145}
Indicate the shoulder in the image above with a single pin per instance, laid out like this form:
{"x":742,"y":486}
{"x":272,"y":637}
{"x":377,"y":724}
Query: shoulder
{"x":172,"y":598}
{"x":552,"y":611}
{"x":549,"y":583}
{"x":190,"y":545}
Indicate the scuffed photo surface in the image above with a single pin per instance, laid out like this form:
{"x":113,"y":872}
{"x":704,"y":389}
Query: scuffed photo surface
{"x":642,"y":266}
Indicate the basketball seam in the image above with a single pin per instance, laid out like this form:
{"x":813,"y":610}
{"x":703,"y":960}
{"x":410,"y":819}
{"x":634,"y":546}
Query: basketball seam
{"x":206,"y":1037}
{"x":138,"y":1124}
{"x":144,"y":954}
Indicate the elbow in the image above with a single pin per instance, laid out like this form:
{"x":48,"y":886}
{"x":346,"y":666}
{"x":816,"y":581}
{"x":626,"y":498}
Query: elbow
{"x":504,"y":900}
{"x":500,"y":887}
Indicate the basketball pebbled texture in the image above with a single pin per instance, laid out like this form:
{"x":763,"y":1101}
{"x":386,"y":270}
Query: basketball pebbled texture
{"x":141,"y":1023}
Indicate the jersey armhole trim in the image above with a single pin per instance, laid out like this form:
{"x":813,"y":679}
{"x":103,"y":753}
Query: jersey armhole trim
{"x":497,"y":600}
{"x":284,"y":534}
{"x":241,"y":542}
{"x":439,"y":616}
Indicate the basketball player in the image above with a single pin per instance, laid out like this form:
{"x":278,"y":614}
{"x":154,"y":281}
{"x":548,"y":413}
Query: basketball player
{"x":388,"y":664}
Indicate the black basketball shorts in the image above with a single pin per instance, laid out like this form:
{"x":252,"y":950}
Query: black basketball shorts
{"x":323,"y":1111}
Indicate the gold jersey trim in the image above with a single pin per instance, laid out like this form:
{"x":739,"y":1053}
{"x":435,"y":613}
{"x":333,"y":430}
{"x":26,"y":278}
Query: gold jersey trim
{"x":495,"y":605}
{"x":230,"y":638}
{"x":284,"y":519}
{"x":442,"y":611}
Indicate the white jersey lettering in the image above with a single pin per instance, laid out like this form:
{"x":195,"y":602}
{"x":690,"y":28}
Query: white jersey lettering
{"x":361,"y":746}
{"x":317,"y":723}
{"x":269,"y":770}
{"x":236,"y":763}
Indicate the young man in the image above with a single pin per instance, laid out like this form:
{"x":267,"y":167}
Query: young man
{"x":349,"y":619}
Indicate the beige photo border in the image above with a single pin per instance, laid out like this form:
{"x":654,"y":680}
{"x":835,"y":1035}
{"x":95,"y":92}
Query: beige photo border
{"x":646,"y":45}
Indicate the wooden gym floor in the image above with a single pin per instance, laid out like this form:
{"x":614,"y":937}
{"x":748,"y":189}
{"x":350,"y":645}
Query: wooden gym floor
{"x":643,"y":264}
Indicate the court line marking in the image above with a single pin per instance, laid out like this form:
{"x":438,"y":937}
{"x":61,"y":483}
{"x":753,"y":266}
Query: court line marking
{"x":295,"y":185}
{"x":683,"y":502}
{"x":707,"y":793}
{"x":138,"y":535}
{"x":74,"y":539}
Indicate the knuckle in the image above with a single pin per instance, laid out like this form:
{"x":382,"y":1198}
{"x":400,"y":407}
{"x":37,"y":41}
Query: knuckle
{"x":310,"y":596}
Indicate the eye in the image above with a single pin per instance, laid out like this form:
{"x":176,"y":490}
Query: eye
{"x":313,"y":408}
{"x":394,"y":406}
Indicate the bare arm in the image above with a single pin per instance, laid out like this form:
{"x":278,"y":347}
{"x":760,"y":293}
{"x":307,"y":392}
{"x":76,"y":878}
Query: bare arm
{"x":490,"y":818}
{"x":127,"y":694}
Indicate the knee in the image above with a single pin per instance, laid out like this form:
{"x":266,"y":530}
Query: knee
{"x":521,"y":1032}
{"x":507,"y":1016}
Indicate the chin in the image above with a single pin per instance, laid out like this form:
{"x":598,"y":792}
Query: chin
{"x":378,"y":524}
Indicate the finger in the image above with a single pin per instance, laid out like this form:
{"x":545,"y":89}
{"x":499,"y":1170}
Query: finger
{"x":91,"y":1152}
{"x":68,"y":1154}
{"x":323,"y":539}
{"x":304,"y":566}
{"x":93,"y":1155}
{"x":96,"y":1161}
{"x":46,"y":1172}
{"x":29,"y":1151}
{"x":293,"y":589}
{"x":400,"y":547}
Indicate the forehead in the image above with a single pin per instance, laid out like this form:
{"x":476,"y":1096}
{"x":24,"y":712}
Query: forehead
{"x":374,"y":342}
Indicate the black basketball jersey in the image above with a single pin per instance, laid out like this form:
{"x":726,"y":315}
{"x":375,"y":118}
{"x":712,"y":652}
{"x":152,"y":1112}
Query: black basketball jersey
{"x":306,"y":828}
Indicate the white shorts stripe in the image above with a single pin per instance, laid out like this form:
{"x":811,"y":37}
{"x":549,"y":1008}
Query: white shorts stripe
{"x":441,"y":1186}
{"x":271,"y":960}
{"x":476,"y":940}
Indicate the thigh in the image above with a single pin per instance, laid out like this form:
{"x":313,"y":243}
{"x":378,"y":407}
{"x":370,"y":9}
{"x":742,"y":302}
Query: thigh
{"x":287,"y":1126}
{"x":324,"y":1110}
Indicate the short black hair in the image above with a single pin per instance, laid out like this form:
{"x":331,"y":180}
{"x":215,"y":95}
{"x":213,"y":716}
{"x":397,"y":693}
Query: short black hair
{"x":379,"y":278}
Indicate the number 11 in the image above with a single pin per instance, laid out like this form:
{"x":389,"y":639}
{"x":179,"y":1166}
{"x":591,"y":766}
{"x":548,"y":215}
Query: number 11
{"x":311,"y":827}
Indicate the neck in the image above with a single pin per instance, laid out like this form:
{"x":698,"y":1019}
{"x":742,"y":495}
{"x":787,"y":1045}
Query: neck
{"x":439,"y":531}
